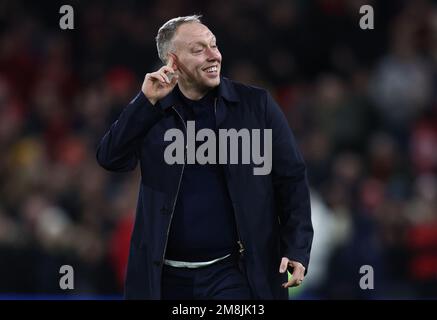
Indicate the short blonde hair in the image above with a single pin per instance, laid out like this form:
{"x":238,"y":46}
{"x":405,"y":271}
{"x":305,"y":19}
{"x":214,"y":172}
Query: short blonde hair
{"x":167,"y":32}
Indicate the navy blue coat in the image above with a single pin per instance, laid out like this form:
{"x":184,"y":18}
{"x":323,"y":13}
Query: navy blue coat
{"x":272,"y":212}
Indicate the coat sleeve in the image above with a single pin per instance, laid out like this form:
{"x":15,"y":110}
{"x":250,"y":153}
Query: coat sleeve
{"x":120,"y":146}
{"x":291,"y":189}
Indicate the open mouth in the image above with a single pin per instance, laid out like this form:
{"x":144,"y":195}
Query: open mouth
{"x":211,"y":70}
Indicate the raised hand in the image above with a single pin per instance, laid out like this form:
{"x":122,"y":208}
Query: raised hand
{"x":158,"y":84}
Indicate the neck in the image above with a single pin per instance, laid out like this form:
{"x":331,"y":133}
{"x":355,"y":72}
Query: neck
{"x":192,"y":92}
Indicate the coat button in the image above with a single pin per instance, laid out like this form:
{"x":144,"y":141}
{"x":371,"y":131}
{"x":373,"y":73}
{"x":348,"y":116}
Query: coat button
{"x":165,"y":209}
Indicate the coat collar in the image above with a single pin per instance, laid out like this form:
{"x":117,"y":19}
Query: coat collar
{"x":226,"y":90}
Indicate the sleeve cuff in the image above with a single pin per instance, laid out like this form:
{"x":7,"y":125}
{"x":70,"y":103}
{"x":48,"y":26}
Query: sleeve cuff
{"x":141,"y":99}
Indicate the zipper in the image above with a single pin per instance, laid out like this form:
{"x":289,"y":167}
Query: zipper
{"x":177,"y":191}
{"x":239,"y":242}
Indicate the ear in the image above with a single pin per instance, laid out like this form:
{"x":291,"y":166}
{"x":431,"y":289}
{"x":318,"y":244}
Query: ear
{"x":172,"y":61}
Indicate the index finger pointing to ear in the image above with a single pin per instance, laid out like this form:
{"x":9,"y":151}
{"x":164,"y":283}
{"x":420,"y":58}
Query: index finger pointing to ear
{"x":170,"y":61}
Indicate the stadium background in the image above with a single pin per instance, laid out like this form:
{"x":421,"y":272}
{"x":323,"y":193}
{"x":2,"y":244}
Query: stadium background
{"x":362,"y":103}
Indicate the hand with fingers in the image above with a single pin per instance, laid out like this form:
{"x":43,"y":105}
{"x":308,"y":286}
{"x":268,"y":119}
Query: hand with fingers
{"x":297,"y":275}
{"x":158,"y":84}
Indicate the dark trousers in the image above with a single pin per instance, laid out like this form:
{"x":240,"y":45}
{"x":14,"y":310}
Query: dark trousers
{"x":221,"y":281}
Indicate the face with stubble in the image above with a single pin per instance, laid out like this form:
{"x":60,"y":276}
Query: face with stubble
{"x":197,"y":58}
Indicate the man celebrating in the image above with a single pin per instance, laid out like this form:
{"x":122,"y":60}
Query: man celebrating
{"x":214,"y":230}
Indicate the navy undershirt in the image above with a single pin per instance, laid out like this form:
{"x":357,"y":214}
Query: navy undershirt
{"x":203,"y":226}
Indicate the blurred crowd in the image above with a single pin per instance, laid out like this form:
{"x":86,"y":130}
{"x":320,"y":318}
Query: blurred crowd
{"x":362,"y":104}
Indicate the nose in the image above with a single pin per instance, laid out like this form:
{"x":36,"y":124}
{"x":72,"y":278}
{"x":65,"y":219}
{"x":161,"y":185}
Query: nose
{"x":213,"y":54}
